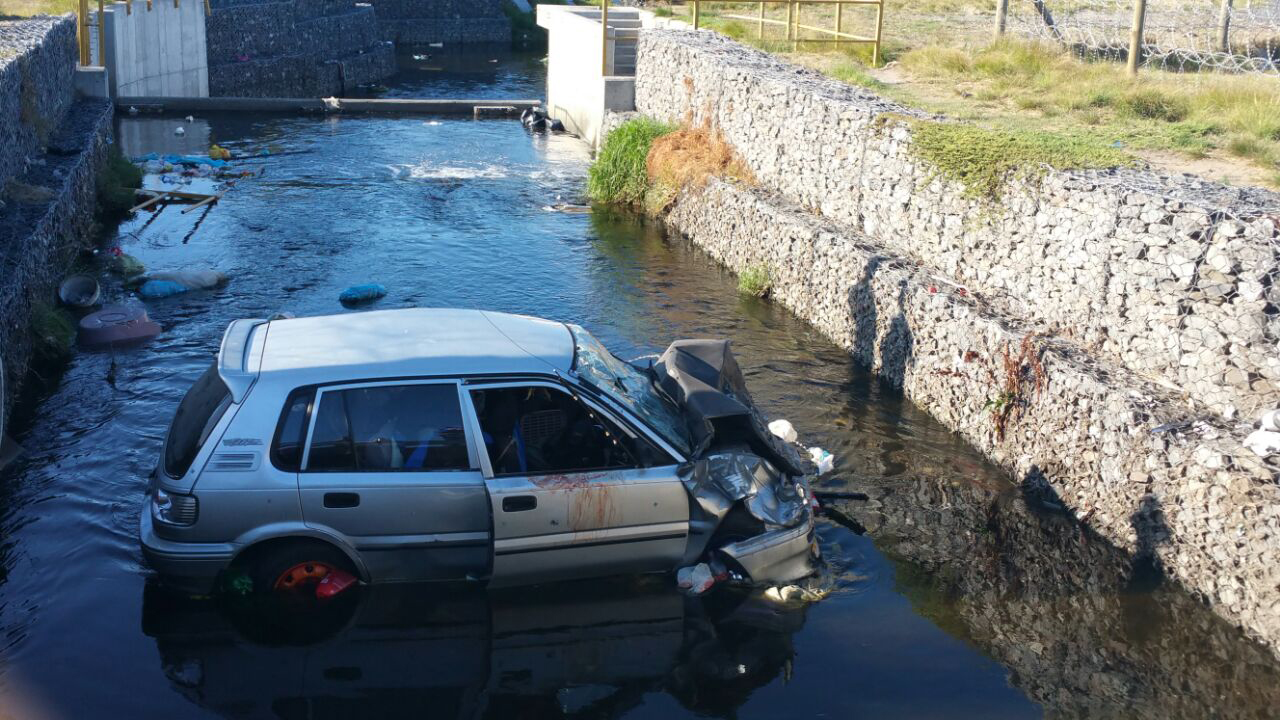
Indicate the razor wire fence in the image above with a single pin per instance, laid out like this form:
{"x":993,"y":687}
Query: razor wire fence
{"x":1238,"y":36}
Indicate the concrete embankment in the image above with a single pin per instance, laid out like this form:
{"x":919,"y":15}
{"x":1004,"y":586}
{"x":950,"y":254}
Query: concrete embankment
{"x":1108,"y":337}
{"x":51,"y":146}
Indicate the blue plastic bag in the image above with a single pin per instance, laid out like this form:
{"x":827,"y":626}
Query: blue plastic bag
{"x":362,"y":293}
{"x":156,"y":289}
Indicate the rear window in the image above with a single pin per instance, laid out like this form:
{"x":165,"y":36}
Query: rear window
{"x":198,"y":413}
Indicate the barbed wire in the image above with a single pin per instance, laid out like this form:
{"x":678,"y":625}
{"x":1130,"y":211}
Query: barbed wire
{"x":1179,"y":35}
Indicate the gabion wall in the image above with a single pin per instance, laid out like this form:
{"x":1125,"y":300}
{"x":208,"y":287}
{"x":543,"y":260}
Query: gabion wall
{"x":1125,"y":412}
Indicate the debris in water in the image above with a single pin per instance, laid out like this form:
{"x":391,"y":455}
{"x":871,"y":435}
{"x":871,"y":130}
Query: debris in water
{"x":823,"y":459}
{"x":79,"y":291}
{"x":695,"y":580}
{"x":332,"y":104}
{"x":784,"y":429}
{"x":367,"y":292}
{"x":117,"y":324}
{"x":179,"y":131}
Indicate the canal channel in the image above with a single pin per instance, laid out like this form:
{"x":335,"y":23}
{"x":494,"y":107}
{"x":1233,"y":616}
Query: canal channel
{"x":954,"y":594}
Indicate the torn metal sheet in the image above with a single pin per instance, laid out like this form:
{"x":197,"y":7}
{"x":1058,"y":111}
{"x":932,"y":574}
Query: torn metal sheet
{"x":719,"y":480}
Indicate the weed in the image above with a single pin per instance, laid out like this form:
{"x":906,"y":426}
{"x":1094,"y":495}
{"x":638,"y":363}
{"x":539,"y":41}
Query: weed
{"x":755,"y":281}
{"x":619,"y":174}
{"x":984,"y":160}
{"x":691,"y":155}
{"x":1021,"y":378}
{"x":117,"y":180}
{"x":53,"y":333}
{"x":1154,"y":104}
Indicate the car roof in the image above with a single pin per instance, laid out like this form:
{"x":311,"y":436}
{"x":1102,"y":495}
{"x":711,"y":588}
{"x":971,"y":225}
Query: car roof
{"x":412,"y":342}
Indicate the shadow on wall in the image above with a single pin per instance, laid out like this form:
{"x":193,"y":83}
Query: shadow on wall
{"x":896,"y":350}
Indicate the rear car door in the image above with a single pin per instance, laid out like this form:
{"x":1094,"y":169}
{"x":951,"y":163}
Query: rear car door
{"x":389,"y":466}
{"x":574,"y":492}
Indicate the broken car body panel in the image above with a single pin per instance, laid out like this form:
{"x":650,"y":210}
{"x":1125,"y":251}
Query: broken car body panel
{"x":462,"y":444}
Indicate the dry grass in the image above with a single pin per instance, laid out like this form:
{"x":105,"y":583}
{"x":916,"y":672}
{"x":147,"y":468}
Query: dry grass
{"x":692,"y":154}
{"x":27,"y":8}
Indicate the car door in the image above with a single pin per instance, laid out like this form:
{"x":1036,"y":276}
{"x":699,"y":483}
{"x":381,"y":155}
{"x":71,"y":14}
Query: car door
{"x":573,"y":491}
{"x":389,"y":466}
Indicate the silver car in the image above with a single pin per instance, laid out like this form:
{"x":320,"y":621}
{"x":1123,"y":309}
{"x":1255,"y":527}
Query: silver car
{"x":431,"y":444}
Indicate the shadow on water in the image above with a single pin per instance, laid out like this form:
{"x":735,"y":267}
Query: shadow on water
{"x":954,"y":594}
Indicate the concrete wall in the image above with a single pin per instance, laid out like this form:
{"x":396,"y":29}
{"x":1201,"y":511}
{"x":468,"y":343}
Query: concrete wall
{"x":579,"y":93}
{"x":160,"y":51}
{"x":934,"y":291}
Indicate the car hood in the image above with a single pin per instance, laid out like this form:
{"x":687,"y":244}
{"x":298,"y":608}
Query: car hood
{"x":704,"y":379}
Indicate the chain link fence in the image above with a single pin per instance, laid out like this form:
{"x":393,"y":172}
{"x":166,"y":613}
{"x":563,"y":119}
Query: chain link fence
{"x":1239,"y":36}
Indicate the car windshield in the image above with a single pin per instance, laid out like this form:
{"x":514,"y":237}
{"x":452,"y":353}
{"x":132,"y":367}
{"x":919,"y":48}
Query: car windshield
{"x":629,"y":387}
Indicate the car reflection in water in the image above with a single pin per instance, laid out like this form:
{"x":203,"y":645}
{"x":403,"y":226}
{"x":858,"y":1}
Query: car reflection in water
{"x":566,"y":650}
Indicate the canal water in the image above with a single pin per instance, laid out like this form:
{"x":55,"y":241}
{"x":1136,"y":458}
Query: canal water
{"x":954,"y":595}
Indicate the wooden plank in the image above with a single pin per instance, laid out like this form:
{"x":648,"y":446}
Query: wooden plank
{"x":155,"y":198}
{"x":202,"y":203}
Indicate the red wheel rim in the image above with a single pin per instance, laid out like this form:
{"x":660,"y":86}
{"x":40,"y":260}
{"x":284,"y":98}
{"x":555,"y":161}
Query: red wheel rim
{"x":304,"y":574}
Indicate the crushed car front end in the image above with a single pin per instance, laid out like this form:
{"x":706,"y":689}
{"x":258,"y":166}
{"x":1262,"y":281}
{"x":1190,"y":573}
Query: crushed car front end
{"x":751,"y":508}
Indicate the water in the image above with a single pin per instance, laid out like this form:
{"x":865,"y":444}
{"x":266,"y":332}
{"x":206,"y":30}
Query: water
{"x":955,"y":595}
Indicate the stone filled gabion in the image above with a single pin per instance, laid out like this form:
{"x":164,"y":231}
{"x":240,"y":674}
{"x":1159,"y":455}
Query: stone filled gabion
{"x":1149,"y":300}
{"x":1173,"y":278}
{"x":37,"y":66}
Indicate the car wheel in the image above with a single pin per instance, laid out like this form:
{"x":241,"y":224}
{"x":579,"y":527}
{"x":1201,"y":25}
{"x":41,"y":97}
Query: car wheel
{"x":296,"y":568}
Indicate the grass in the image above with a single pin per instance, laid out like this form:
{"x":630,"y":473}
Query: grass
{"x":620,"y":173}
{"x":755,"y":281}
{"x":116,"y":182}
{"x":53,"y":332}
{"x":947,"y":64}
{"x":27,"y":8}
{"x":688,"y":157}
{"x":984,"y":160}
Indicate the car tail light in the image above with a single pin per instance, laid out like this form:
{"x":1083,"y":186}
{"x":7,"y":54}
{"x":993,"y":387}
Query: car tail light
{"x":174,"y":509}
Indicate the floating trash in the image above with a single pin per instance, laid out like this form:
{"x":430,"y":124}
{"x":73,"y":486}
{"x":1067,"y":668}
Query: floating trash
{"x":117,"y":324}
{"x":357,"y":294}
{"x":80,"y":291}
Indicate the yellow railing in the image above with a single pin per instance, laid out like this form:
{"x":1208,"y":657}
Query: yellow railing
{"x":794,"y":23}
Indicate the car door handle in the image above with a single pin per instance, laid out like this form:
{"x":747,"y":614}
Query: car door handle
{"x":341,"y":500}
{"x":519,"y":503}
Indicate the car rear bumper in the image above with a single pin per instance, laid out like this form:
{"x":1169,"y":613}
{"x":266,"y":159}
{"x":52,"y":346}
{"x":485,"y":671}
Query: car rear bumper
{"x":191,"y":568}
{"x":778,"y":556}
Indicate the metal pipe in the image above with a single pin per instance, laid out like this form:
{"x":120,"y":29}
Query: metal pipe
{"x":82,"y":28}
{"x":102,"y":36}
{"x":875,"y":50}
{"x":604,"y":37}
{"x":760,"y":22}
{"x":697,"y":16}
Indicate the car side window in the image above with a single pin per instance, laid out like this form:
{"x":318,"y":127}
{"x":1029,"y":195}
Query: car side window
{"x":399,"y":428}
{"x":538,"y":430}
{"x":291,"y":433}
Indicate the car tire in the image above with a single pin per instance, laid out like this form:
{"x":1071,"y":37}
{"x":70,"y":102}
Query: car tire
{"x":290,"y":567}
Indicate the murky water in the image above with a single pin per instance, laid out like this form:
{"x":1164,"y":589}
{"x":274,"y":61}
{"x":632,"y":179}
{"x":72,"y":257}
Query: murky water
{"x":956,"y":596}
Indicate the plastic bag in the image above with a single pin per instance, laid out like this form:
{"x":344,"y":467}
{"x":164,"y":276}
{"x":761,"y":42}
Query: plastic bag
{"x":784,"y":429}
{"x":823,"y":459}
{"x":156,"y":289}
{"x":362,"y":293}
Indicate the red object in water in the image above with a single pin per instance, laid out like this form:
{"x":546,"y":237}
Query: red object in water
{"x":335,"y":582}
{"x":117,"y":324}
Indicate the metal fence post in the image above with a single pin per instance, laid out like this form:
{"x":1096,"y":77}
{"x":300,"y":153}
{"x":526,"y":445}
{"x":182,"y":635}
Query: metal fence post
{"x":604,"y":37}
{"x":1224,"y":26}
{"x":696,"y":14}
{"x":1135,"y":37}
{"x":839,"y":20}
{"x":760,"y":21}
{"x":1002,"y":17}
{"x":102,"y":37}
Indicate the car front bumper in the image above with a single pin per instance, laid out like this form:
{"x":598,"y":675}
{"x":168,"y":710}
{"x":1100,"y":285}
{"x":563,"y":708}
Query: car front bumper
{"x":778,"y":556}
{"x":190,"y":568}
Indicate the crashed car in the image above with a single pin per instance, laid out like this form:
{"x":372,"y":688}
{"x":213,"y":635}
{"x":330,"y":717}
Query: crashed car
{"x":433,"y":444}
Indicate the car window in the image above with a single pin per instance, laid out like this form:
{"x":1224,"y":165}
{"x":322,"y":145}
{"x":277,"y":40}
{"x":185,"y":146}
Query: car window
{"x":286,"y":451}
{"x":198,"y":413}
{"x":538,"y":430}
{"x":399,"y":428}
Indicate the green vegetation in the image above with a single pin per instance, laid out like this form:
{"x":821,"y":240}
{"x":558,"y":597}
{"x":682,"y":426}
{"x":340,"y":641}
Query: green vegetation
{"x":983,"y":160}
{"x":620,"y":174}
{"x":755,"y":280}
{"x":117,"y":180}
{"x":53,"y":333}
